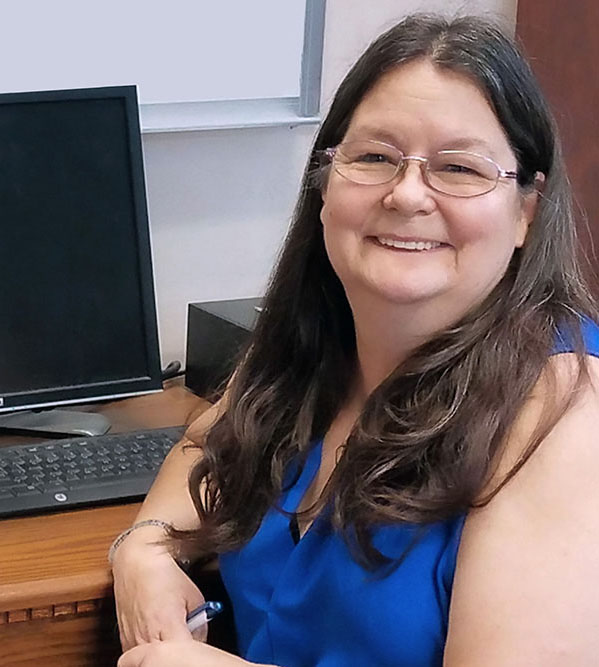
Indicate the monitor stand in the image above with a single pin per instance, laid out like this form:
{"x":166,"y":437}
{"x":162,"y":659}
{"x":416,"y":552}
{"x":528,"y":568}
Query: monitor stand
{"x":55,"y":423}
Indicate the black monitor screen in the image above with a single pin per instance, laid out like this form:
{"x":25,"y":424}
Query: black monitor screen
{"x":76,"y":294}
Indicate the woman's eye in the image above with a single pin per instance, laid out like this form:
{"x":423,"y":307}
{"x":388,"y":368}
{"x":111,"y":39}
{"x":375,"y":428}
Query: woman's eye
{"x":372,"y":158}
{"x":457,"y":169}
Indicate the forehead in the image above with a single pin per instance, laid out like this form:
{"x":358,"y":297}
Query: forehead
{"x":420,"y":103}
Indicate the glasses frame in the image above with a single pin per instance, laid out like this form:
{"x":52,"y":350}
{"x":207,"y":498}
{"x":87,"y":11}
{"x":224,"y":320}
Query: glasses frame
{"x":424,"y":162}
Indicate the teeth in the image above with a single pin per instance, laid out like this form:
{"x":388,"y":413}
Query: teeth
{"x":409,"y":245}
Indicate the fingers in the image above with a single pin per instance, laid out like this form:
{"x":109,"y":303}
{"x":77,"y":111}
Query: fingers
{"x":134,"y":657}
{"x":178,"y":654}
{"x":152,"y":600}
{"x":200,"y":634}
{"x":140,"y":627}
{"x":161,"y":654}
{"x":175,"y":632}
{"x":166,"y":623}
{"x":136,"y":628}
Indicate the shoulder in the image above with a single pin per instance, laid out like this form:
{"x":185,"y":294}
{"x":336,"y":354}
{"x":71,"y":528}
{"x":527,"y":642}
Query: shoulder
{"x":524,"y":590}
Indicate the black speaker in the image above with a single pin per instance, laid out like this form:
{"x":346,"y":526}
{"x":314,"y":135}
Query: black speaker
{"x":216,"y":333}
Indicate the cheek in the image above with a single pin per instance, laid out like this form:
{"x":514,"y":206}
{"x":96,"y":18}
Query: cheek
{"x":331,"y":235}
{"x":345,"y":206}
{"x":337,"y":239}
{"x":495,"y":222}
{"x":326,"y":221}
{"x":333,"y":214}
{"x":324,"y":212}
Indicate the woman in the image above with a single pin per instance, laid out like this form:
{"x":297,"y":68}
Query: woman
{"x":407,"y":391}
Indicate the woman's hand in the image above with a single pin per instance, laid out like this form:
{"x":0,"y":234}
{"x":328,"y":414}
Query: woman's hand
{"x":153,"y":595}
{"x":179,"y":654}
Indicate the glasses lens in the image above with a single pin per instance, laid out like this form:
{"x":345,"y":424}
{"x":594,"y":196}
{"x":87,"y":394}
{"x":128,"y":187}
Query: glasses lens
{"x":367,"y":162}
{"x":462,"y":174}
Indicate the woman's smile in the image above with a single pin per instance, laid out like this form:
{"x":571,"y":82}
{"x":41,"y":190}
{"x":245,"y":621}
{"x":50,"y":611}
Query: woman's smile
{"x":409,"y":244}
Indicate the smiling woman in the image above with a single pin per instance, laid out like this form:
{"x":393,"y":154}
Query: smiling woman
{"x":411,"y":430}
{"x":401,"y":239}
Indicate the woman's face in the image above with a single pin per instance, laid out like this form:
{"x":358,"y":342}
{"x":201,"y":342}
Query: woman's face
{"x":464,"y":245}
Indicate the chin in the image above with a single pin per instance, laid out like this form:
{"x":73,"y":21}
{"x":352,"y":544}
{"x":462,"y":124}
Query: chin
{"x":406,"y":294}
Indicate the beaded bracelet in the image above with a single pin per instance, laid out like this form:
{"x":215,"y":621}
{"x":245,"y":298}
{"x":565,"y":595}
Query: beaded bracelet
{"x":125,"y":534}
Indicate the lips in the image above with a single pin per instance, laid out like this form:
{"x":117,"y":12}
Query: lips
{"x":407,"y":244}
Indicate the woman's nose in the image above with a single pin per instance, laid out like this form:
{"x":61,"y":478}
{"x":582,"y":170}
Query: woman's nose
{"x":410,"y":193}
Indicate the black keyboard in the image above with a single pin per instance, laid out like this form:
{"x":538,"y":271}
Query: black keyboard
{"x":65,"y":473}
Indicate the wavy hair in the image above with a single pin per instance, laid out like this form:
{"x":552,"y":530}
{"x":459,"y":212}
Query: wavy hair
{"x":428,"y":438}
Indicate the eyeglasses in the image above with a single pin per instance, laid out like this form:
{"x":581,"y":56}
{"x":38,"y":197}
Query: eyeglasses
{"x":456,"y":173}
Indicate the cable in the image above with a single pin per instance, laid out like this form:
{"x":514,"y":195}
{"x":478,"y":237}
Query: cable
{"x":172,"y":370}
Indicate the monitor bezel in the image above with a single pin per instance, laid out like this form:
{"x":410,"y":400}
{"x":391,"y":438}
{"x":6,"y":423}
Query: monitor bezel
{"x":119,"y":388}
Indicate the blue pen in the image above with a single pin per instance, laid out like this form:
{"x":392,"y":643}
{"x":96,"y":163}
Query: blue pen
{"x":202,"y":614}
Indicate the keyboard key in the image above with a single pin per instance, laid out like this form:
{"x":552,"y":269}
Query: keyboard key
{"x":52,"y":487}
{"x":23,"y":490}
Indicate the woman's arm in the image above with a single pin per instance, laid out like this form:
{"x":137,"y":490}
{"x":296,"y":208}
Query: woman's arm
{"x":525,"y":589}
{"x":153,"y":595}
{"x":169,"y":498}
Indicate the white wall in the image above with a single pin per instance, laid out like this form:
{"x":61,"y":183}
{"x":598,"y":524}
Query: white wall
{"x":193,"y":50}
{"x":220,"y":201}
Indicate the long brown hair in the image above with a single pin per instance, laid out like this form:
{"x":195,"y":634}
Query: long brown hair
{"x":428,"y":437}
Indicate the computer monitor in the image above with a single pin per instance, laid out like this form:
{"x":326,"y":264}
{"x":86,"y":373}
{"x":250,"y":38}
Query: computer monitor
{"x":77,"y":308}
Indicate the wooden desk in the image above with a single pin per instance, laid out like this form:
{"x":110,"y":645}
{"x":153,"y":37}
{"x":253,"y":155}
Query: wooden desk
{"x":56,"y":606}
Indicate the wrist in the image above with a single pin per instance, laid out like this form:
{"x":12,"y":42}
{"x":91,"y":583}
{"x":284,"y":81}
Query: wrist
{"x":146,"y":533}
{"x":147,"y":540}
{"x":138,"y":555}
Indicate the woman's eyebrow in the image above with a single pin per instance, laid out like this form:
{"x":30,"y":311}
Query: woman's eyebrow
{"x":372,"y":133}
{"x":463,"y":143}
{"x":475,"y":144}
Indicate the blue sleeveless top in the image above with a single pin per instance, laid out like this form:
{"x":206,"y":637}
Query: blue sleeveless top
{"x":307,"y":603}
